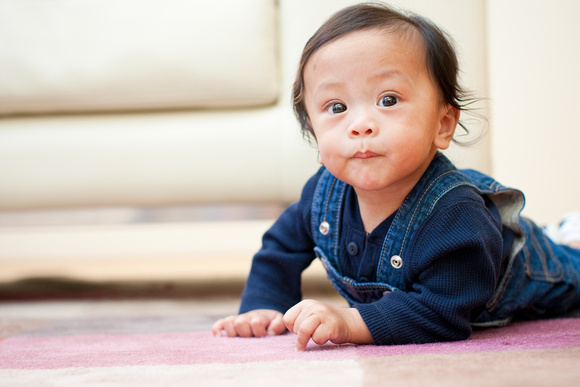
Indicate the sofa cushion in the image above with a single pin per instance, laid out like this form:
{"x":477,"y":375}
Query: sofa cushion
{"x":108,"y":55}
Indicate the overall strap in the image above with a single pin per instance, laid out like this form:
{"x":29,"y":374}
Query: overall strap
{"x":326,"y":214}
{"x":438,"y":179}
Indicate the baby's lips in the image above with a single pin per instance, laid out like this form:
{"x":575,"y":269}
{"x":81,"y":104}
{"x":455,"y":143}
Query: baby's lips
{"x":365,"y":155}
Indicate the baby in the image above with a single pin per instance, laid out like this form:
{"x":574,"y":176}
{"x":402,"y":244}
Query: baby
{"x":421,"y":251}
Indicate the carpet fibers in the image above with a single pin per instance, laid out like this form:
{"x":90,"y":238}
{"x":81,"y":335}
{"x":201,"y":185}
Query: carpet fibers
{"x":132,"y":342}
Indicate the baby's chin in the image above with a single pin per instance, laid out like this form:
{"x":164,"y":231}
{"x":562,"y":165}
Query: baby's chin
{"x":364,"y":182}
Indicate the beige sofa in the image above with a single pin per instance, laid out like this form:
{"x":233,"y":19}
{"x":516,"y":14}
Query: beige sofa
{"x":117,"y":104}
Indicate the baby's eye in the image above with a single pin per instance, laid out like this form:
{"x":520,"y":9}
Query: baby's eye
{"x":336,"y":108}
{"x":388,"y":100}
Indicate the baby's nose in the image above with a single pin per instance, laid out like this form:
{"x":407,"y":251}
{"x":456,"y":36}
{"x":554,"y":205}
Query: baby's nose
{"x":358,"y":132}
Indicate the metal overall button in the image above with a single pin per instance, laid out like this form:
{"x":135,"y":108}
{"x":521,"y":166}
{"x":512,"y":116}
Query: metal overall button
{"x":324,"y":228}
{"x":396,"y":261}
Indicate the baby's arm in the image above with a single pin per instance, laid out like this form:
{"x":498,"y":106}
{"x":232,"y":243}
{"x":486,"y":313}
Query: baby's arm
{"x":323,"y":322}
{"x":274,"y":280}
{"x":256,"y":323}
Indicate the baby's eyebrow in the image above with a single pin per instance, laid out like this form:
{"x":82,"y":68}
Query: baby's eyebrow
{"x":391,"y":74}
{"x":326,"y":87}
{"x":329,"y":84}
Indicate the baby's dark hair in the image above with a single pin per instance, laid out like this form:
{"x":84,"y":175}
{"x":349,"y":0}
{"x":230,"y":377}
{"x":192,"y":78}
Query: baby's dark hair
{"x":439,"y":52}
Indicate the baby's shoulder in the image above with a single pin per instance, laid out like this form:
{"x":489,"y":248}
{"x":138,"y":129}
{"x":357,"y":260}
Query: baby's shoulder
{"x":464,"y":195}
{"x":466,"y":205}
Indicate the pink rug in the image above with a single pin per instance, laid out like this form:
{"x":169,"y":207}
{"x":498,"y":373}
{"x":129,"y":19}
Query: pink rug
{"x":168,"y":342}
{"x":28,"y":351}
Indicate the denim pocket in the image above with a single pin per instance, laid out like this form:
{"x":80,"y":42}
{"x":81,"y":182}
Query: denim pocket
{"x":541,"y":263}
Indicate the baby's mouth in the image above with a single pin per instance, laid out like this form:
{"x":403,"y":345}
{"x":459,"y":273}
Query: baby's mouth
{"x":365,"y":155}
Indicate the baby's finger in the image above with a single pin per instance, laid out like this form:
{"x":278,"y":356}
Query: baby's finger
{"x":258,"y":326}
{"x":322,"y":334}
{"x":218,"y":328}
{"x":224,"y":327}
{"x":277,"y":326}
{"x":242,"y":327}
{"x":305,"y":331}
{"x":291,"y":315}
{"x":229,"y":326}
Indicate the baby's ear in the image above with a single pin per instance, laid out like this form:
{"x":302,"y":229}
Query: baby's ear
{"x":447,"y":124}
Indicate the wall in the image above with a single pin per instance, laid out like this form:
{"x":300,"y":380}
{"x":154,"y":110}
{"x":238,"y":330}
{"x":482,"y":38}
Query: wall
{"x":533,"y":55}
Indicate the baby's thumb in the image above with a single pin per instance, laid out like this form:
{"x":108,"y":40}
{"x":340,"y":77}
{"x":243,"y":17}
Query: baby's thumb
{"x":276,"y":326}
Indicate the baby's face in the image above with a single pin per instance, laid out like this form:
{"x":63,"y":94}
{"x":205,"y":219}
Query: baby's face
{"x":374,"y":109}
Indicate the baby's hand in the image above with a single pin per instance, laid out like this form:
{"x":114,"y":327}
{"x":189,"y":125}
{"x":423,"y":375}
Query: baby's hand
{"x":322,"y":322}
{"x":256,"y":323}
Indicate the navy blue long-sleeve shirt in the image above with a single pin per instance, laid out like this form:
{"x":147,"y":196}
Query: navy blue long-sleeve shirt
{"x":456,"y":261}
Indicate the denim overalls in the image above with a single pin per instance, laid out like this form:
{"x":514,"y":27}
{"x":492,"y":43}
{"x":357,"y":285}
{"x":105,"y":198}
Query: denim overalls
{"x":540,"y":276}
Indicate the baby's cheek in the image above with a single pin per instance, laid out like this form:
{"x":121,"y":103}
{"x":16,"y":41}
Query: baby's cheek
{"x":328,"y":150}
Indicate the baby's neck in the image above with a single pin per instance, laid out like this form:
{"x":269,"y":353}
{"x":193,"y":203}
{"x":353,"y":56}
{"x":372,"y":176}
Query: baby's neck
{"x":374,"y":209}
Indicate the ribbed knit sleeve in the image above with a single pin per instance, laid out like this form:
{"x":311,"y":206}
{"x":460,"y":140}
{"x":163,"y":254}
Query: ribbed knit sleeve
{"x":450,"y":271}
{"x":287,"y":250}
